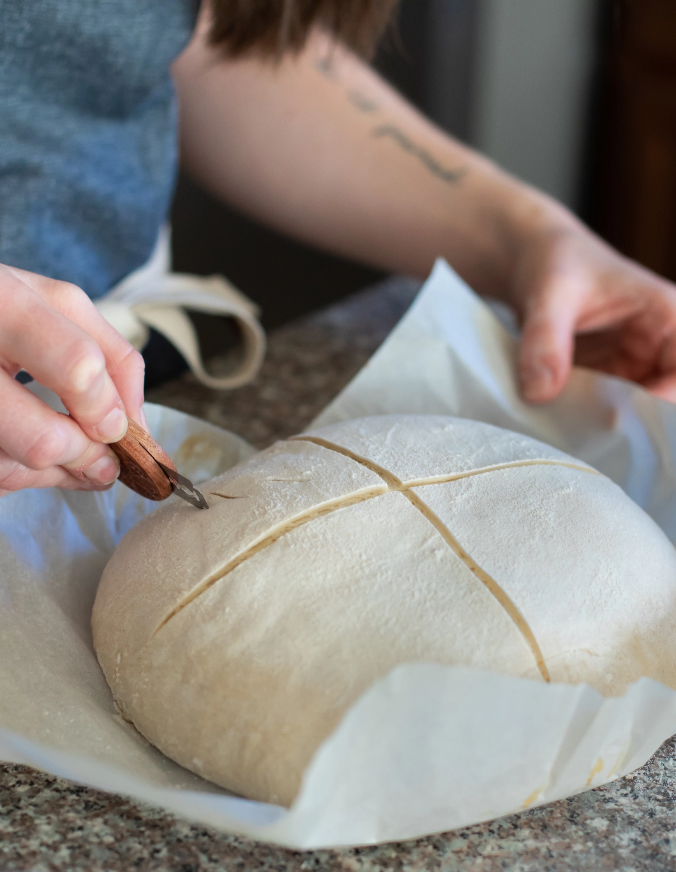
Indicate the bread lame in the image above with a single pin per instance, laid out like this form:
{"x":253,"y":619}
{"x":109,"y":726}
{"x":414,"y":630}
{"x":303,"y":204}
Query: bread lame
{"x":147,"y":469}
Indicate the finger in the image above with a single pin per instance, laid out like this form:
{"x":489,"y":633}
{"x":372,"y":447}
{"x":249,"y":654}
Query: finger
{"x":70,"y":484}
{"x":38,"y":438}
{"x":124,"y":364}
{"x":61,"y":356}
{"x":546,"y":349}
{"x":15,"y":477}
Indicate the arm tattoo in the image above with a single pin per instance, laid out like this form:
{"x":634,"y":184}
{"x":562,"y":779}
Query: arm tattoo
{"x":402,"y":140}
{"x":368,"y":106}
{"x":325,"y":67}
{"x":362,"y":102}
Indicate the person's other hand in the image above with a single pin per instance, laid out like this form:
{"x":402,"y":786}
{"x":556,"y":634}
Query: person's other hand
{"x":53,"y":331}
{"x":581,"y":301}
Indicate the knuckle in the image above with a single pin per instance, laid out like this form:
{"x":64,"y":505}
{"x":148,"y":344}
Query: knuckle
{"x":46,"y":450}
{"x":86,"y":366}
{"x":132,"y":363}
{"x":65,"y":294}
{"x":136,"y":362}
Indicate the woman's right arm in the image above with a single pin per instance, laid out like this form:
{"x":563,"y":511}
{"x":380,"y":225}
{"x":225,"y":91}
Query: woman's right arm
{"x":53,"y":331}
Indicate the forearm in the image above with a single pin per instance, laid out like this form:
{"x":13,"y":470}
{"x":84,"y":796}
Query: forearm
{"x":329,"y":153}
{"x":321,"y":148}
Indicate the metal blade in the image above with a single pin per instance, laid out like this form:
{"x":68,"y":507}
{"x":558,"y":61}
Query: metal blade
{"x":184,"y":488}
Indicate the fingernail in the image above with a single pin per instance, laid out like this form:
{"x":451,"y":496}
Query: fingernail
{"x":536,"y":383}
{"x":144,"y":421}
{"x":113,"y":427}
{"x":103,"y":471}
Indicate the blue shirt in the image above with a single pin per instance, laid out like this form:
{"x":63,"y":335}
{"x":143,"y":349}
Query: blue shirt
{"x":88,"y":133}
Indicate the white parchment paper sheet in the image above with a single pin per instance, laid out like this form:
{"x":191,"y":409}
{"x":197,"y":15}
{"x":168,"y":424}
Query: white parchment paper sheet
{"x":428,"y":748}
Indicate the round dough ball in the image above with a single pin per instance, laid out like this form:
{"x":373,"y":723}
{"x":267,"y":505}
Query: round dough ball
{"x":236,"y":638}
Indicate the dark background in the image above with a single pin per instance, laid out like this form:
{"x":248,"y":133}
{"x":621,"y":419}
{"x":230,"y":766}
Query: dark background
{"x":622,"y":121}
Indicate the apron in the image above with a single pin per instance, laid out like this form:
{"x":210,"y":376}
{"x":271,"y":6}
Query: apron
{"x":88,"y":163}
{"x":153,"y":296}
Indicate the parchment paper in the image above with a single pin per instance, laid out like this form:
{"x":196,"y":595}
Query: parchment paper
{"x":428,"y":748}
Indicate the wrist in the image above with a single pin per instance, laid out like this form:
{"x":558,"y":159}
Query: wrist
{"x":488,"y":223}
{"x":530,"y":223}
{"x":500,"y":213}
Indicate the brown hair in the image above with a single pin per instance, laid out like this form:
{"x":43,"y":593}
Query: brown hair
{"x":273,"y":27}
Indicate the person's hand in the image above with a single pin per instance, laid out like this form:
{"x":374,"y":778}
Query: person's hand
{"x":580,"y":301}
{"x":53,"y":331}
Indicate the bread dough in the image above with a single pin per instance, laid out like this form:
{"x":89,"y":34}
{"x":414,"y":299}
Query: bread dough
{"x":235,"y":639}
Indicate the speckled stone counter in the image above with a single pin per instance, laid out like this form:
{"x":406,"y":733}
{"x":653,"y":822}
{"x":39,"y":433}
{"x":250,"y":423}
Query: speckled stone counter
{"x":50,"y":824}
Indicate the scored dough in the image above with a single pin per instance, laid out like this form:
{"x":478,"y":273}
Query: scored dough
{"x":235,"y":639}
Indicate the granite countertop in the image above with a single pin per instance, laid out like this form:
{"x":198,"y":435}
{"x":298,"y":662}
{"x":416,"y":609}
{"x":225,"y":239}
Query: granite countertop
{"x":50,"y":824}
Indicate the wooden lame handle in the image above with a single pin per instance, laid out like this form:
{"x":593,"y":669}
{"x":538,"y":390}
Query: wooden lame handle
{"x":137,"y":453}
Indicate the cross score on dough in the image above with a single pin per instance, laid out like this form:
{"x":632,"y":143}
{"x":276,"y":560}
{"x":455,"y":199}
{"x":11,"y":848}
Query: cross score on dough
{"x":397,"y":539}
{"x":394,"y":484}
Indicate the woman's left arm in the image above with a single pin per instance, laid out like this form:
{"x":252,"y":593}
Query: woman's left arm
{"x":320,"y":147}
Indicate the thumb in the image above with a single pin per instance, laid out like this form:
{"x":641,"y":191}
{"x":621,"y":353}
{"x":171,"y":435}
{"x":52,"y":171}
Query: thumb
{"x":546,"y":350}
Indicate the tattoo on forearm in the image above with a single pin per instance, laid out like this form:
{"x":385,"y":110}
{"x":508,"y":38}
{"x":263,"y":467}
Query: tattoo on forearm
{"x":325,"y":67}
{"x":432,"y":164}
{"x":368,"y":106}
{"x":362,"y":102}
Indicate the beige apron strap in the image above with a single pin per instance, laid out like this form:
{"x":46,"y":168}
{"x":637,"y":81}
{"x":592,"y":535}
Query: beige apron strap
{"x":154,"y":297}
{"x":174,"y":324}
